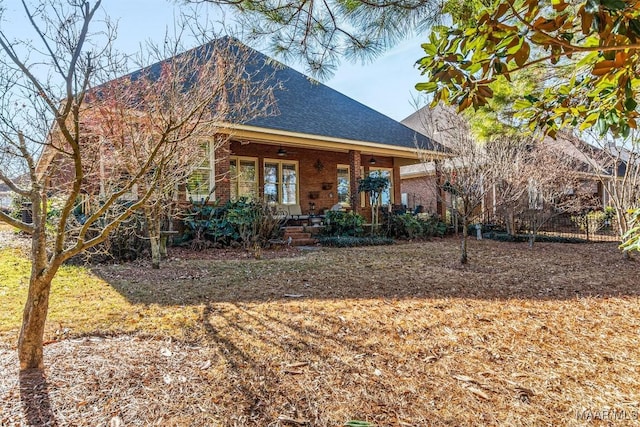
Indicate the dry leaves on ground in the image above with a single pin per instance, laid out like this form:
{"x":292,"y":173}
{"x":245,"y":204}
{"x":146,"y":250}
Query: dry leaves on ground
{"x":396,"y":336}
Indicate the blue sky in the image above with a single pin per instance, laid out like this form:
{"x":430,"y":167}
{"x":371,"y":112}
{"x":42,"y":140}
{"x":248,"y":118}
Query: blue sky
{"x":385,"y":84}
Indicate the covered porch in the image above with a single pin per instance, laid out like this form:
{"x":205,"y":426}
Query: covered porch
{"x":306,"y":175}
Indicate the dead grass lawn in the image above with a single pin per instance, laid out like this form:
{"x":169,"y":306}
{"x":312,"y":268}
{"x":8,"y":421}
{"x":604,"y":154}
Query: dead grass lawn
{"x":396,"y":336}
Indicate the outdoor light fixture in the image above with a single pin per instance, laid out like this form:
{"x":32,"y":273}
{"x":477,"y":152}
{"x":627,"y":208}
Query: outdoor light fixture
{"x":282,"y":152}
{"x":372,"y":161}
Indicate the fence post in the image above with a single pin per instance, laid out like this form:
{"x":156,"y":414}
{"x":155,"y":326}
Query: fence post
{"x":586,"y":225}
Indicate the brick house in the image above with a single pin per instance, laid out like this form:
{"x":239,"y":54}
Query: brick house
{"x":310,"y":155}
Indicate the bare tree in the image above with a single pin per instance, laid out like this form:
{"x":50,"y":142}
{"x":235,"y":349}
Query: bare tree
{"x":463,"y":176}
{"x":617,"y":161}
{"x":550,"y":178}
{"x":523,"y":178}
{"x":178,"y":104}
{"x":509,"y":161}
{"x":53,"y":115}
{"x":531,"y":180}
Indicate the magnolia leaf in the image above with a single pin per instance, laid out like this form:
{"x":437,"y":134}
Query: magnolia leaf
{"x":544,"y":24}
{"x":521,"y":104}
{"x":625,"y":130}
{"x":523,"y":55}
{"x":630,"y":104}
{"x":634,"y":26}
{"x":427,"y":87}
{"x":502,"y":9}
{"x":559,"y":5}
{"x":613,"y":4}
{"x":589,"y":121}
{"x":429,"y":48}
{"x":586,"y":22}
{"x":540,"y":39}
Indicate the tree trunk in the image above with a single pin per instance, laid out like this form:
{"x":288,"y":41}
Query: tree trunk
{"x":532,"y":233}
{"x":155,"y":252}
{"x":163,"y":245}
{"x":33,"y":322}
{"x":510,"y":222}
{"x":622,"y":225}
{"x":153,"y":228}
{"x":463,"y":243}
{"x":34,"y":316}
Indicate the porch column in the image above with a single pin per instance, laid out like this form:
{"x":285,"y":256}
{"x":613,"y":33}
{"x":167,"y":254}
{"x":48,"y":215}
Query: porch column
{"x":354,"y":176}
{"x":441,"y":208}
{"x":221,"y":170}
{"x":397,"y":188}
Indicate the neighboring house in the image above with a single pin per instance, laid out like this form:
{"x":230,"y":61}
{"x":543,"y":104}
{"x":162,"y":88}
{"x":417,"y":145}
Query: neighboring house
{"x":310,"y":156}
{"x":419,"y":183}
{"x":6,"y":196}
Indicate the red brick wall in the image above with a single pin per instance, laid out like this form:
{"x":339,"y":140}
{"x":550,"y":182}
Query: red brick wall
{"x":421,"y":191}
{"x":319,"y":183}
{"x":223,"y":186}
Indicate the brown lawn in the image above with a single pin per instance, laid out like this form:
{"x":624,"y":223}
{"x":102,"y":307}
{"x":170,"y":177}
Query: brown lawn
{"x":395,"y":336}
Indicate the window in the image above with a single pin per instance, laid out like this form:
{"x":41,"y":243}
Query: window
{"x":344,"y":185}
{"x":281,"y":182}
{"x":200,"y":182}
{"x":386,"y":198}
{"x":243,"y":177}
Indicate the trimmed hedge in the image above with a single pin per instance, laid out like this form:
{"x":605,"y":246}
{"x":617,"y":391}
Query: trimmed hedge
{"x":349,"y":241}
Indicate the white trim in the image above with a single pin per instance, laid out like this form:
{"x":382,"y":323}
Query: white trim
{"x":348,"y":168}
{"x":212,"y":173}
{"x":279,"y":183}
{"x":256,"y":163}
{"x":332,"y":143}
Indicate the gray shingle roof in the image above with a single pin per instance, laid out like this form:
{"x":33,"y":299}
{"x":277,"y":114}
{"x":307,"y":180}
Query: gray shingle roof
{"x":313,"y":108}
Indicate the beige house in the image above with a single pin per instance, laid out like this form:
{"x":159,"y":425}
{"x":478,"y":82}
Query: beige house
{"x":419,"y":182}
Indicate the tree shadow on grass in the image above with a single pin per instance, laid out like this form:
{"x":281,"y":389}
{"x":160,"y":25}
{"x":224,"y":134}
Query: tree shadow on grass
{"x":271,"y":364}
{"x":34,"y":395}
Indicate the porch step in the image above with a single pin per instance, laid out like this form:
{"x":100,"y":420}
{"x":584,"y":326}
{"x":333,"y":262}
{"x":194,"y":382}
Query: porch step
{"x":303,"y":242}
{"x":293,"y":229}
{"x":296,"y":236}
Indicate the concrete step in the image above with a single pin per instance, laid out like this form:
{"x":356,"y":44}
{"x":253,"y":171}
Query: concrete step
{"x":296,"y":229}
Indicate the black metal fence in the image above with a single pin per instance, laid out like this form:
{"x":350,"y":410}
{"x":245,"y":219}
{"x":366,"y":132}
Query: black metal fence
{"x":594,"y":226}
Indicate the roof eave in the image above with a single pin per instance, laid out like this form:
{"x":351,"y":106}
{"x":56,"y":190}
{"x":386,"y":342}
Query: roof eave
{"x":268,"y":135}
